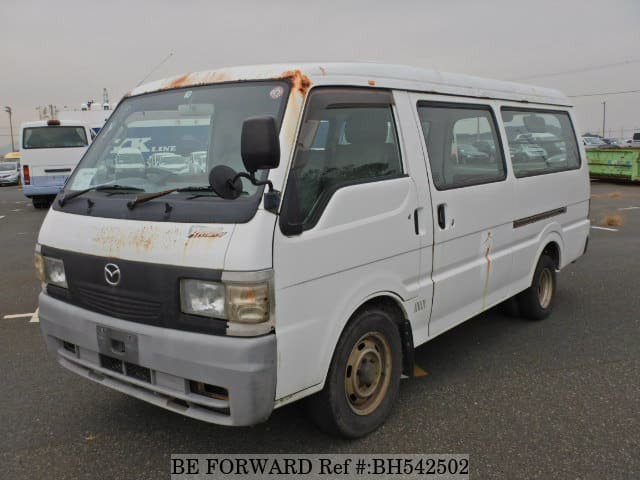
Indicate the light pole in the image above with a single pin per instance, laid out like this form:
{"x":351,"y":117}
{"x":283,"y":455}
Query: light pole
{"x":8,"y":110}
{"x":604,"y":116}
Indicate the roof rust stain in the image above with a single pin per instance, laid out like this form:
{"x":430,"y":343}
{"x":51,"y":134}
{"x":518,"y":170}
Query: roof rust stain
{"x":299,"y":80}
{"x":180,"y":81}
{"x":371,"y":83}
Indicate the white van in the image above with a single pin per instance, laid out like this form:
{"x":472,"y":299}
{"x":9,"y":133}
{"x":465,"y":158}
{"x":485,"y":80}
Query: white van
{"x":50,"y":150}
{"x":348,"y":213}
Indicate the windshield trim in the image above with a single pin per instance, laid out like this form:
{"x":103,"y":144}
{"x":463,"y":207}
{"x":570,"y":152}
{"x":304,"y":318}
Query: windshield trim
{"x":184,"y":207}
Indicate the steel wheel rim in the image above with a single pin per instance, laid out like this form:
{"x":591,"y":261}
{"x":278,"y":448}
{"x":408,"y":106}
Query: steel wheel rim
{"x":545,"y":288}
{"x":368,"y":373}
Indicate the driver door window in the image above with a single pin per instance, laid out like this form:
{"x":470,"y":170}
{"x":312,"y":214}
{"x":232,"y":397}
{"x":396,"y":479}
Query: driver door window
{"x":343,"y":143}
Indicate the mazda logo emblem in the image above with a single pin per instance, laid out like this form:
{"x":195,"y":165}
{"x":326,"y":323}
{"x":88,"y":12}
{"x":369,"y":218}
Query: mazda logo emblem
{"x":112,"y":274}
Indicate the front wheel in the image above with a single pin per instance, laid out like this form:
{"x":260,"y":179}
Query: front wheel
{"x":536,"y":302}
{"x":364,"y":376}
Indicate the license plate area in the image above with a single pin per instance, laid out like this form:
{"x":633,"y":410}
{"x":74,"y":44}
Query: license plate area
{"x":117,"y":344}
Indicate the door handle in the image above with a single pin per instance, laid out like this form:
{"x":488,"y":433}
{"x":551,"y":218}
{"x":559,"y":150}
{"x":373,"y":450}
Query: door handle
{"x":442,"y":221}
{"x":416,"y":223}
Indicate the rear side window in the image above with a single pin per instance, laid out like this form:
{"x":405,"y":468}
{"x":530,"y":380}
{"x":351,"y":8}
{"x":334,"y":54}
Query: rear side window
{"x":540,"y":142}
{"x":462,"y":143}
{"x":54,"y":137}
{"x":348,"y":136}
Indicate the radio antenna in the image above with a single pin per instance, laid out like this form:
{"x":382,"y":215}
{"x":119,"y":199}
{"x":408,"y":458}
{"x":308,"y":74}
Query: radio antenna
{"x":155,"y":68}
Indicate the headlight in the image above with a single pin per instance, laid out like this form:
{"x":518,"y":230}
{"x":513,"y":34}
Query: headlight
{"x":50,"y":270}
{"x":54,"y":272}
{"x":243,"y":299}
{"x":200,"y":297}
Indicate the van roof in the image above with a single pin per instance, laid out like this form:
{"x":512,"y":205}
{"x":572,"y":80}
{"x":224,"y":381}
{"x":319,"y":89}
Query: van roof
{"x":400,"y":77}
{"x":43,"y":123}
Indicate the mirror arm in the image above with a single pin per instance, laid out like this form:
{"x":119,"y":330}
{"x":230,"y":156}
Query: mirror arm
{"x":251,"y":177}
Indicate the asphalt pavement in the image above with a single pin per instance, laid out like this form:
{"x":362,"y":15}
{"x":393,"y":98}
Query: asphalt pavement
{"x":558,"y":398}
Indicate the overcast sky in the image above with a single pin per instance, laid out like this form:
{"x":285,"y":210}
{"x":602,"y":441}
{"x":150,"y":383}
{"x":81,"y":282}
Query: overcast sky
{"x":64,"y":52}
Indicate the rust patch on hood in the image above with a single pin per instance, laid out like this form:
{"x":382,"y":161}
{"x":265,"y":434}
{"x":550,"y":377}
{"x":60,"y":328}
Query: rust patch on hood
{"x":115,"y":240}
{"x":299,"y":81}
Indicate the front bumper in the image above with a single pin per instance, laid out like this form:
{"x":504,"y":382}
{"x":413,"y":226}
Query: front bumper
{"x":245,"y":367}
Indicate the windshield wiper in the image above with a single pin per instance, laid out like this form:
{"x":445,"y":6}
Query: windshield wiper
{"x":145,"y":198}
{"x":98,"y":188}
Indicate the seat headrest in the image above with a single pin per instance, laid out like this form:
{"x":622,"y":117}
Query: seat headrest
{"x":367,"y":126}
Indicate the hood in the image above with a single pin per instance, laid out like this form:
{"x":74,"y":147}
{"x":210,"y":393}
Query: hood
{"x":184,"y":244}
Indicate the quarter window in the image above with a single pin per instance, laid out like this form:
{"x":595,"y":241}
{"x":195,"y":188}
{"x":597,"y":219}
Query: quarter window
{"x":462,"y":143}
{"x":347,"y":137}
{"x":540,"y":142}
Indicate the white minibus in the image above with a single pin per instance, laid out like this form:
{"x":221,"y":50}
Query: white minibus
{"x":50,"y":150}
{"x":344,"y":215}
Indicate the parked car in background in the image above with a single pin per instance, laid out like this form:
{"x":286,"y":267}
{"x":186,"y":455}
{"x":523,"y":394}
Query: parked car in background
{"x":470,"y":154}
{"x":614,"y":142}
{"x":170,"y":161}
{"x":9,"y":173}
{"x":593,"y":142}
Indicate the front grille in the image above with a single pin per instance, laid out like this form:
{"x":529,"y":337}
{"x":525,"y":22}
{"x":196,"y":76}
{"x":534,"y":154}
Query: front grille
{"x":111,"y":363}
{"x":118,"y":305}
{"x":125,"y":368}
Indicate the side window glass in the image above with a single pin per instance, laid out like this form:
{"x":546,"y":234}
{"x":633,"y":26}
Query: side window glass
{"x":462,"y":143}
{"x":540,"y":142}
{"x":342,"y":142}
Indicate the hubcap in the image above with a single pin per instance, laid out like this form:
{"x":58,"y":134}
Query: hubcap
{"x":367,"y":374}
{"x":545,"y":288}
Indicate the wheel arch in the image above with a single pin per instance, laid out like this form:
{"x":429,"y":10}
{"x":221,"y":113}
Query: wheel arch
{"x":552,"y":244}
{"x":394,"y":304}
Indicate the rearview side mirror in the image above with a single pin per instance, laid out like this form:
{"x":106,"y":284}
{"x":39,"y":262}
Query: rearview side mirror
{"x":259,"y":144}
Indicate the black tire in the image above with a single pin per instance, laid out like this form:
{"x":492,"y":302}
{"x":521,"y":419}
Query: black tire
{"x":331,"y":409}
{"x":40,"y":203}
{"x":536,"y":302}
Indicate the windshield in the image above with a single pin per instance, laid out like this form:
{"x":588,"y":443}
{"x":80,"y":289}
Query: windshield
{"x":173,"y":139}
{"x":53,"y":136}
{"x":8,"y":167}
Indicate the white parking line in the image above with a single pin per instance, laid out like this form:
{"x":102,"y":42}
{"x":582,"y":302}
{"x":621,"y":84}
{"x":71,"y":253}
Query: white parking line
{"x":607,"y":229}
{"x":629,"y":208}
{"x":1,"y":217}
{"x":19,"y":315}
{"x":35,"y":318}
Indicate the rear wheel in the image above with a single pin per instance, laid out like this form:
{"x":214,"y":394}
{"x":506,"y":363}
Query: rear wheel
{"x":536,"y":302}
{"x":364,"y":376}
{"x":40,"y":202}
